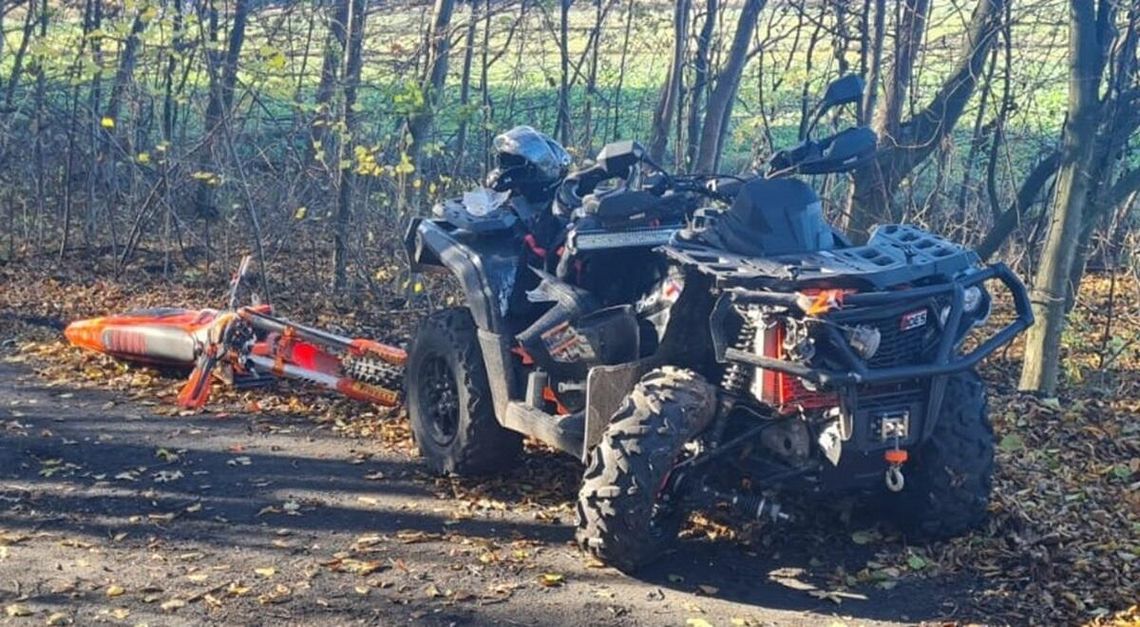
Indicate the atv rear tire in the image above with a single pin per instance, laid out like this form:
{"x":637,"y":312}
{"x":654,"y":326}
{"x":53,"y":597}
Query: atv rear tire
{"x":949,"y":478}
{"x":619,"y":520}
{"x":449,"y":401}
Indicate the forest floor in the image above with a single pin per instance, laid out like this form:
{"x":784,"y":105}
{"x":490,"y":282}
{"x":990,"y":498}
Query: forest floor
{"x":283,"y":505}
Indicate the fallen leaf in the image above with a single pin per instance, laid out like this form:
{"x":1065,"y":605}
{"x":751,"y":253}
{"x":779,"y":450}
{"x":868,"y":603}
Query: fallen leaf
{"x":172,"y":604}
{"x":58,"y":618}
{"x":115,"y":590}
{"x":697,"y":622}
{"x":551,"y":580}
{"x":15,"y":610}
{"x":707,"y":589}
{"x":280,"y":594}
{"x":266,"y":572}
{"x":120,"y":613}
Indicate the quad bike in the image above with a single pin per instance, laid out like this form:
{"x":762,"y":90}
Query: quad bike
{"x":710,"y":341}
{"x":245,"y":347}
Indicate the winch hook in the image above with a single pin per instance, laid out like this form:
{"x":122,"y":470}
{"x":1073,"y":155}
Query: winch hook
{"x":895,"y":457}
{"x":894,"y":478}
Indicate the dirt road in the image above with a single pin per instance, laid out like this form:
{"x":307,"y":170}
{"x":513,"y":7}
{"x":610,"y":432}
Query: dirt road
{"x":112,"y":513}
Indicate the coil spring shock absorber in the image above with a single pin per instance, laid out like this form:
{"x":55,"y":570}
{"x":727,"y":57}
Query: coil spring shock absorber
{"x":737,"y":376}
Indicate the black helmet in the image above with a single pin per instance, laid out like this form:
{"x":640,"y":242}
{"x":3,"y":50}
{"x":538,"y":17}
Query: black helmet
{"x":529,"y":163}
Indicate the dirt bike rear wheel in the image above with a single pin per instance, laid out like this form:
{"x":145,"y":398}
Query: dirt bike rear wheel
{"x":373,"y":371}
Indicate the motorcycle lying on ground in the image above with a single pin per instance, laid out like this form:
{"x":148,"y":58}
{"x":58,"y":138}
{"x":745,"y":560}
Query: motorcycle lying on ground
{"x":244,"y":347}
{"x":708,"y":341}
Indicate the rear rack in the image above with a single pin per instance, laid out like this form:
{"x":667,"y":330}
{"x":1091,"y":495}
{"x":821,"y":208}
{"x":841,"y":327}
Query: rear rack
{"x":895,"y":254}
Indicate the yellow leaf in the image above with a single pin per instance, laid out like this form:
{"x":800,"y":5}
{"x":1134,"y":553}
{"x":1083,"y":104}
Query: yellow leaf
{"x":299,"y":214}
{"x":143,"y":158}
{"x":120,"y":613}
{"x":551,"y":580}
{"x":266,"y":572}
{"x":172,"y":605}
{"x":697,"y":622}
{"x":107,"y":122}
{"x":58,"y":618}
{"x":115,"y":590}
{"x":418,"y":287}
{"x":16,"y":609}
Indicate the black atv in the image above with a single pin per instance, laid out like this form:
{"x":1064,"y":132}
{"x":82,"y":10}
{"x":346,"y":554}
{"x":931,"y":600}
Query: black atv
{"x":709,"y":341}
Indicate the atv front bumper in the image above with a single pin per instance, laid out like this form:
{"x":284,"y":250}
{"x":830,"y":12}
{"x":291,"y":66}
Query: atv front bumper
{"x":875,"y":305}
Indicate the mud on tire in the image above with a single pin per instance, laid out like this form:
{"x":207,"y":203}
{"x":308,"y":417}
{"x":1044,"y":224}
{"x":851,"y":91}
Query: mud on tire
{"x":617,"y":519}
{"x":949,"y":478}
{"x":449,"y":401}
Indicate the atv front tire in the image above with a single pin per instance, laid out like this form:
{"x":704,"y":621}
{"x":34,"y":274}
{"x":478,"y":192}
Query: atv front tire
{"x":620,"y":520}
{"x":449,"y":400}
{"x":948,"y":478}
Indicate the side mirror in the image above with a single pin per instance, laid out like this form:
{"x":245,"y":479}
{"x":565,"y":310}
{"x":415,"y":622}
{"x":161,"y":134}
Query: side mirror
{"x":618,"y":158}
{"x":844,"y":90}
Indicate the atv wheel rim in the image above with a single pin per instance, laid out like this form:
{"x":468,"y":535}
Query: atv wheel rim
{"x":438,"y":388}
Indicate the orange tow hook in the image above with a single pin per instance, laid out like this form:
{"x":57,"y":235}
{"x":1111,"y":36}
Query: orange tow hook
{"x":895,"y":458}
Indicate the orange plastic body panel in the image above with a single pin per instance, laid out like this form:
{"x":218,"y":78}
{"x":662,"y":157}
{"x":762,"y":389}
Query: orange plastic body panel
{"x":162,"y":336}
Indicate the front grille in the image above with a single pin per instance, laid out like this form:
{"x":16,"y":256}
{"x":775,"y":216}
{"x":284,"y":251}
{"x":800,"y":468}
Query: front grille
{"x":898,"y":347}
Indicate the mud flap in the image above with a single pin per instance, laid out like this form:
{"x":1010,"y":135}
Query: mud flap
{"x":500,"y":373}
{"x":606,"y":388}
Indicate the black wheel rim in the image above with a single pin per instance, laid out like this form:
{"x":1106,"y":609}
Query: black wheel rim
{"x":441,"y":398}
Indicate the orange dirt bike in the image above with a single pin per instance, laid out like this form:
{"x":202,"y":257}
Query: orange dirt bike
{"x":244,"y":346}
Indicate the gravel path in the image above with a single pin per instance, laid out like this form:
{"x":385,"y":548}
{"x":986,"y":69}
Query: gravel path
{"x":112,"y":513}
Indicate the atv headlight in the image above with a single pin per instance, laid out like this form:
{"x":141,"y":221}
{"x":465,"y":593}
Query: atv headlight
{"x":971,"y":298}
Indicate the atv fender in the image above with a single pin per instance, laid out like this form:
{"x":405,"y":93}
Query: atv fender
{"x":487,"y":267}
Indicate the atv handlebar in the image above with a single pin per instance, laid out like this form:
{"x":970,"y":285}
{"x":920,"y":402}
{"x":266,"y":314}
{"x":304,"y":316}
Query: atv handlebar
{"x":874,"y":305}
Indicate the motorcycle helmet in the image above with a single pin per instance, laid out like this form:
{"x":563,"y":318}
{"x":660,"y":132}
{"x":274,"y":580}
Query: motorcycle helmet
{"x":528,"y":163}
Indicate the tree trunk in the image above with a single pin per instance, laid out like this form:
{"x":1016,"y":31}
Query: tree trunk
{"x":330,"y":70}
{"x":700,"y":81}
{"x":465,"y":112}
{"x":562,"y":126}
{"x":621,"y":71}
{"x":902,"y":146}
{"x":126,"y":67}
{"x":222,"y":82}
{"x":592,"y":77}
{"x":1050,"y":283}
{"x":1015,"y":215}
{"x":671,"y":91}
{"x":348,"y":116}
{"x":21,"y":52}
{"x":420,"y":123}
{"x":724,"y":93}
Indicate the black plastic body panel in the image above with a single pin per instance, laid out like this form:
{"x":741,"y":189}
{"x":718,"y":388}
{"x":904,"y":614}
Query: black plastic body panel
{"x":486,"y":265}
